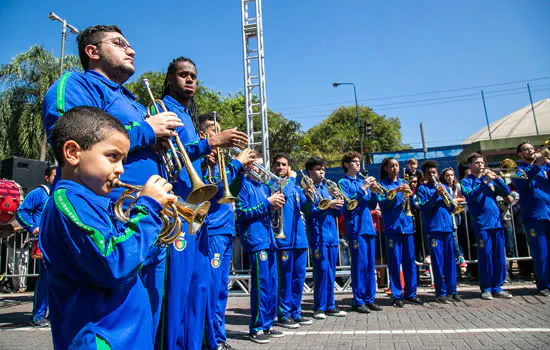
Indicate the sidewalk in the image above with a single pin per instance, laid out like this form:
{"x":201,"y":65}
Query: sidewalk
{"x":520,"y":323}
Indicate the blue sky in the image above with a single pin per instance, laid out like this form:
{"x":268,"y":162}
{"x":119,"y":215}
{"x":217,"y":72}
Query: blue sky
{"x":387,"y":49}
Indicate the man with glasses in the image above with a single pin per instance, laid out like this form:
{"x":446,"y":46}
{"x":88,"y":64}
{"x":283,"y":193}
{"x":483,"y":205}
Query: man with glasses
{"x":108,"y":62}
{"x":534,"y":192}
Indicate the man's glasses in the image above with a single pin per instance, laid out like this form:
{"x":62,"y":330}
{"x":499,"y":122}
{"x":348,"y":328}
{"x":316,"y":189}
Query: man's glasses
{"x":118,"y":42}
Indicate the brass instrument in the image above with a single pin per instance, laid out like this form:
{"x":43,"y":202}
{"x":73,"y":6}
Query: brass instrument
{"x":335,"y":190}
{"x":227,"y":196}
{"x":448,"y":198}
{"x":171,"y":213}
{"x":175,"y":159}
{"x":312,"y":193}
{"x":376,"y":187}
{"x":406,"y":197}
{"x":509,"y":170}
{"x":277,"y":215}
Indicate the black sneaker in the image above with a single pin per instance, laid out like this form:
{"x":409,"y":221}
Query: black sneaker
{"x":456,"y":297}
{"x":416,"y":300}
{"x":288,"y":323}
{"x":398,"y":303}
{"x":442,"y":300}
{"x":273,"y":333}
{"x":224,"y":346}
{"x":40,"y":322}
{"x":303,"y":321}
{"x":259,"y":338}
{"x":373,"y":307}
{"x":363,"y":309}
{"x":336,"y":312}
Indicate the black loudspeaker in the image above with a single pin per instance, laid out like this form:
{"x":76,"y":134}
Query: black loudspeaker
{"x":29,"y":173}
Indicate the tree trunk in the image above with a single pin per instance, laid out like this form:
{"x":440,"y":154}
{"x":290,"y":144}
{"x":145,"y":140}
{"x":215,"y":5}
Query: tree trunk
{"x":43,"y":147}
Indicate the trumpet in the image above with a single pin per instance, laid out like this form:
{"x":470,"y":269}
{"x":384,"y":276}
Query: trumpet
{"x":312,"y":193}
{"x":376,"y":187}
{"x":175,"y":159}
{"x":277,"y":215}
{"x":508,"y":169}
{"x":335,"y":190}
{"x":406,"y":198}
{"x":449,"y":201}
{"x":227,"y":196}
{"x":171,"y":214}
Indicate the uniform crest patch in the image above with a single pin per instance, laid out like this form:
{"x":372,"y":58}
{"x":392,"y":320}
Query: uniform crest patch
{"x":355,"y":245}
{"x":180,"y":243}
{"x":492,"y":187}
{"x":317,"y":254}
{"x":434,"y":242}
{"x":481,"y":243}
{"x":216,"y":262}
{"x":390,"y":243}
{"x":532,"y":232}
{"x":263,"y":255}
{"x":284,"y":255}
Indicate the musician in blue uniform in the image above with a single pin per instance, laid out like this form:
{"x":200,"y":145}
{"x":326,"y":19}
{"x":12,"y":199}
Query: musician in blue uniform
{"x":96,"y":298}
{"x":292,"y":249}
{"x":323,"y":241}
{"x":28,"y":215}
{"x":360,"y":233}
{"x":398,"y":229}
{"x":534,"y":191}
{"x":108,"y":61}
{"x":221,"y":234}
{"x":186,"y":287}
{"x":439,"y":226}
{"x":254,"y":209}
{"x":481,"y":188}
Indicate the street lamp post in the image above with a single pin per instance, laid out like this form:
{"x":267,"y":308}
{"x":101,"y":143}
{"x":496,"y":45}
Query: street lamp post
{"x":358,"y":120}
{"x":55,"y":17}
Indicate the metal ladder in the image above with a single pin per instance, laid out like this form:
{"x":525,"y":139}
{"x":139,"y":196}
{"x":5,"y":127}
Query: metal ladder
{"x":254,"y":77}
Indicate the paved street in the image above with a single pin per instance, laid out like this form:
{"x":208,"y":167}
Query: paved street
{"x":520,"y":323}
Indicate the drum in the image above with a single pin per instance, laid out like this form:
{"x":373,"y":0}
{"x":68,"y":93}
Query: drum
{"x":11,"y":196}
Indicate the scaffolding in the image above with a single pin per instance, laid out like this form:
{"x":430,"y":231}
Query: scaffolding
{"x":254,"y":77}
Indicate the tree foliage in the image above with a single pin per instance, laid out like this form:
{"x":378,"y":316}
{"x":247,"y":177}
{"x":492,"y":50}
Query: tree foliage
{"x":24,"y":82}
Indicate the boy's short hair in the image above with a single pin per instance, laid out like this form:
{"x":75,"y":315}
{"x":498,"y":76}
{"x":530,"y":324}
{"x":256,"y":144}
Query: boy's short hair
{"x":206,"y":117}
{"x":412,"y":161}
{"x":428,"y":164}
{"x":348,"y":157}
{"x":473,"y":156}
{"x":520,"y":146}
{"x":49,"y":170}
{"x":92,"y":36}
{"x":84,"y":125}
{"x":313,"y":161}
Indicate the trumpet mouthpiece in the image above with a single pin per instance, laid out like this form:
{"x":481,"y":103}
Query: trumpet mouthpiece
{"x":115,"y":183}
{"x":145,"y":82}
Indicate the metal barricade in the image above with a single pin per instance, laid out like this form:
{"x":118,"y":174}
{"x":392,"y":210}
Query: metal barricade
{"x":16,"y":266}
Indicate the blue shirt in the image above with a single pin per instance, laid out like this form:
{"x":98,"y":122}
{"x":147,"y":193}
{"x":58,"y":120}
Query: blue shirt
{"x":293,"y":225}
{"x":437,"y":216}
{"x":393,"y":215}
{"x":29,"y":212}
{"x":321,"y":224}
{"x":534,"y":192}
{"x":359,"y":220}
{"x":482,"y":203}
{"x":254,"y":216}
{"x":92,"y":261}
{"x":221,"y":217}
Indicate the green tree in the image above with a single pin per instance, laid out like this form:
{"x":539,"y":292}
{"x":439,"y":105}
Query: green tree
{"x":24,"y":82}
{"x":339,"y":134}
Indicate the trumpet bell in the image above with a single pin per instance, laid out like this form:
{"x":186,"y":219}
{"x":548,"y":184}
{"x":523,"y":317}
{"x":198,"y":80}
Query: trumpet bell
{"x":227,"y":200}
{"x":193,"y":214}
{"x":391,"y":194}
{"x":201,"y":192}
{"x":352,"y":204}
{"x":324,"y":204}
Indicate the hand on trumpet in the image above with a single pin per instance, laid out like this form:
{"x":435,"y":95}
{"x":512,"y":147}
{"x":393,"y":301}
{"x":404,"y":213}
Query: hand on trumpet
{"x":246,"y":157}
{"x":158,"y":189}
{"x":277,"y":200}
{"x":163,"y":124}
{"x":291,"y":173}
{"x":405,"y":189}
{"x":440,"y":190}
{"x":368,"y":182}
{"x":228,"y":138}
{"x":337,"y":204}
{"x":489,"y":175}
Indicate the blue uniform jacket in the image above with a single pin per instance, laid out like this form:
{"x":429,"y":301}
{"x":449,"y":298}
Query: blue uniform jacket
{"x":359,"y":220}
{"x":534,"y":192}
{"x":293,"y":225}
{"x":254,"y":216}
{"x":481,"y":199}
{"x":436,"y":214}
{"x":92,"y":261}
{"x":221,"y":217}
{"x":321,"y":224}
{"x":29,"y":212}
{"x":393,"y":216}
